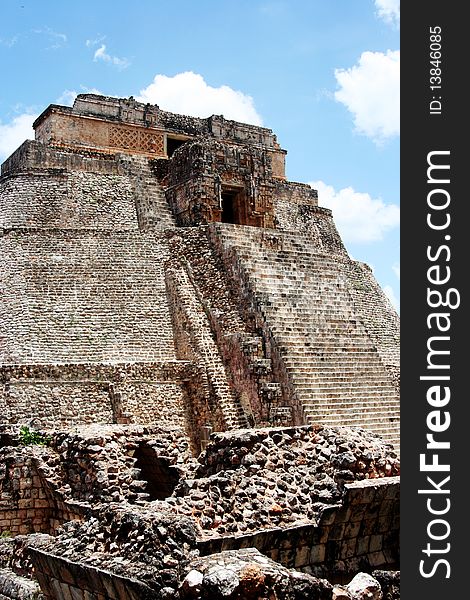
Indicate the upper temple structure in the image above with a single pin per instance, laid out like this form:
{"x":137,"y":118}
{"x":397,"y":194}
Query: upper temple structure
{"x":159,"y":268}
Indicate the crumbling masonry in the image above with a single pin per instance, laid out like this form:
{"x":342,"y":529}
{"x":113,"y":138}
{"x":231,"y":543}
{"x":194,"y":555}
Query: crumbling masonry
{"x":162,"y":280}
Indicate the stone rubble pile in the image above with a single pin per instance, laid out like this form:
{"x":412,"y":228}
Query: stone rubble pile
{"x":248,"y":575}
{"x":267,"y":478}
{"x":132,"y":541}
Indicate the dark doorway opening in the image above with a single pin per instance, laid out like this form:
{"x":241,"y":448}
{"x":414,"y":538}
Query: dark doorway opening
{"x":173,"y":144}
{"x":161,"y":477}
{"x":228,"y":207}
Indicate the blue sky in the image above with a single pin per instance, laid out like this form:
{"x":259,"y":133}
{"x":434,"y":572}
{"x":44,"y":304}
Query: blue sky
{"x":323,"y":74}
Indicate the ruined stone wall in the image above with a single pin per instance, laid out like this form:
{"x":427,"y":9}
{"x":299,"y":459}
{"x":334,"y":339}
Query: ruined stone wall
{"x":315,"y":499}
{"x":28,"y":494}
{"x":42,"y":487}
{"x":26,"y":506}
{"x":360,"y":534}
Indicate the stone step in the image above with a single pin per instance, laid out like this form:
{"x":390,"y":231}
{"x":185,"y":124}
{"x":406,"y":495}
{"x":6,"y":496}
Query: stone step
{"x":315,"y":395}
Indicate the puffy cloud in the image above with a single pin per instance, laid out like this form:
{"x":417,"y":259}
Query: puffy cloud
{"x":15,"y":133}
{"x":187,"y":93}
{"x":101,"y":54}
{"x":359,"y":217}
{"x":389,"y":11}
{"x":370,"y":90}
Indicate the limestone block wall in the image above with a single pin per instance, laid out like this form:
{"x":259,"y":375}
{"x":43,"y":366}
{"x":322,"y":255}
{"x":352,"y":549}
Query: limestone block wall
{"x":26,"y":506}
{"x":296,"y":193}
{"x":73,"y":199}
{"x":62,"y":578}
{"x":65,"y":128}
{"x":33,"y":155}
{"x":28,"y":497}
{"x":49,"y":397}
{"x":147,"y":403}
{"x":47,"y":187}
{"x":41,"y":487}
{"x":70,"y":296}
{"x":314,"y":222}
{"x":53,"y":404}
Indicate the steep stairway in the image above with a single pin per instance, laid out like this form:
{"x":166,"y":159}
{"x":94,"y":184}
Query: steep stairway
{"x":335,"y":369}
{"x":153,"y":210}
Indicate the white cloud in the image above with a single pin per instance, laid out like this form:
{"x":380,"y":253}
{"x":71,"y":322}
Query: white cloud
{"x":389,"y":11}
{"x":67,"y":98}
{"x":396,"y":269}
{"x":370,"y":90}
{"x":187,"y":93}
{"x":101,"y":54}
{"x":57,"y":39}
{"x":95,"y":42}
{"x":358,"y":217}
{"x":15,"y":133}
{"x":9,"y":42}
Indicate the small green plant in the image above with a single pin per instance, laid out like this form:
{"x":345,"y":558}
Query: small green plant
{"x":30,"y":437}
{"x":5,"y":534}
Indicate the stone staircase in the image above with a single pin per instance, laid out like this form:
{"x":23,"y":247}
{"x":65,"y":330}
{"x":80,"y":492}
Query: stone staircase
{"x":193,"y":319}
{"x":153,"y":210}
{"x":242,"y":349}
{"x":304,"y":296}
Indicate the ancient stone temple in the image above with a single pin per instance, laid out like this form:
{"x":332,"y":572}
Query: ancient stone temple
{"x":165,"y":291}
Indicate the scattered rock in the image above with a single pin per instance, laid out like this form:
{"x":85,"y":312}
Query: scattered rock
{"x":364,"y":587}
